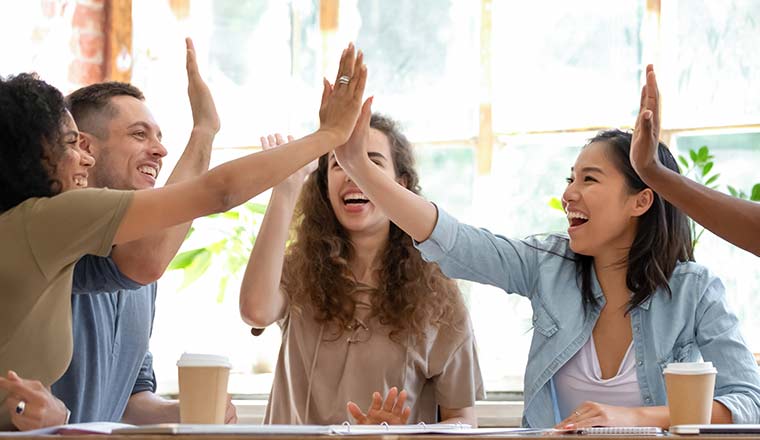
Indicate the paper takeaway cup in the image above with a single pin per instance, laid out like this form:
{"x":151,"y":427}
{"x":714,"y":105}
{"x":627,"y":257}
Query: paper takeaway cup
{"x":203,"y":388}
{"x":690,"y":388}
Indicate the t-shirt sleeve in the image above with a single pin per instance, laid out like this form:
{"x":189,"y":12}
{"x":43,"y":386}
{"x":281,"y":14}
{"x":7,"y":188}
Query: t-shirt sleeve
{"x":63,"y":228}
{"x":146,"y":377}
{"x":460,"y":382}
{"x":94,"y":274}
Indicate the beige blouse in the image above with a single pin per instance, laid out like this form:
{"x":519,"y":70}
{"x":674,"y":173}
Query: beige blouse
{"x":321,"y":368}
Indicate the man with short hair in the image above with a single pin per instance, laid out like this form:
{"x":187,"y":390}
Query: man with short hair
{"x":111,"y":377}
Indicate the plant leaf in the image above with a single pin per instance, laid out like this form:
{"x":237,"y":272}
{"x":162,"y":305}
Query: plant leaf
{"x":683,"y":161}
{"x":732,"y":191}
{"x":184,"y":259}
{"x":694,"y":156}
{"x":706,"y":169}
{"x":703,"y":153}
{"x":755,"y":194}
{"x":222,"y":289}
{"x":199,"y":266}
{"x":555,"y":203}
{"x":256,"y":208}
{"x":712,"y":179}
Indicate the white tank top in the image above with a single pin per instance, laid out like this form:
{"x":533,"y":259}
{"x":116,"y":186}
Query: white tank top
{"x":580,"y":379}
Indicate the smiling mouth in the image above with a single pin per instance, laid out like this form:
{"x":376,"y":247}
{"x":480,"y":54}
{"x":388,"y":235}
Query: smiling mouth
{"x":148,"y":171}
{"x":576,"y":219}
{"x":80,"y":181}
{"x":355,"y":199}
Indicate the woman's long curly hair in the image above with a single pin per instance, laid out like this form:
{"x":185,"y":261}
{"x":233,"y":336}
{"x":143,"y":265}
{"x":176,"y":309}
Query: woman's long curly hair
{"x":412,"y":294}
{"x":31,"y":116}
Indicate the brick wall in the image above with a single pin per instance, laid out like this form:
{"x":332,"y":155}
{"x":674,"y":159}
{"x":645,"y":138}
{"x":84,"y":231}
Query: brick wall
{"x":87,"y":42}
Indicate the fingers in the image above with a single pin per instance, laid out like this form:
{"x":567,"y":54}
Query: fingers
{"x":390,"y":400}
{"x":399,"y":407}
{"x":377,"y":401}
{"x":290,"y":138}
{"x":347,"y":60}
{"x":191,"y":63}
{"x":326,"y":91}
{"x":356,"y":412}
{"x":360,"y":82}
{"x":366,"y":113}
{"x":279,"y":139}
{"x":357,"y":71}
{"x":405,"y":415}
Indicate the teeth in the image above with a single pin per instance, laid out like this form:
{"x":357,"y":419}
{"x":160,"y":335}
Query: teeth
{"x":574,"y":214}
{"x":355,"y":196}
{"x":80,"y":181}
{"x":145,"y":169}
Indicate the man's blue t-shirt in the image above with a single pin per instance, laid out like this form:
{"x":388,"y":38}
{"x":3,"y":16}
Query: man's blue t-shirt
{"x":112,"y":320}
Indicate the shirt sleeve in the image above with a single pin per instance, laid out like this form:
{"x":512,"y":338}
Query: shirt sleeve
{"x":737,"y":384}
{"x":93,"y":274}
{"x":146,"y":378}
{"x":63,"y":228}
{"x":474,"y":254}
{"x":460,"y":382}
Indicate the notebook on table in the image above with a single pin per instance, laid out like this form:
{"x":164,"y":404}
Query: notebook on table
{"x":714,"y":429}
{"x":615,"y":430}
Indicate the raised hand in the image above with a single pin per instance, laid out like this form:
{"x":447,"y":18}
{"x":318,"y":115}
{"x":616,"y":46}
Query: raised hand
{"x":205,"y":116}
{"x":341,"y":103}
{"x":296,"y":180}
{"x":646,"y":133}
{"x":355,"y":149}
{"x":30,"y":404}
{"x":392,"y":411}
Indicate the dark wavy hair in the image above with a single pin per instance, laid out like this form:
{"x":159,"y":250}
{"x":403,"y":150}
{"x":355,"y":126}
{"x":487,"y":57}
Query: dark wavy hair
{"x":663,"y":238}
{"x":413,"y":294}
{"x":94,"y":101}
{"x":31,"y":118}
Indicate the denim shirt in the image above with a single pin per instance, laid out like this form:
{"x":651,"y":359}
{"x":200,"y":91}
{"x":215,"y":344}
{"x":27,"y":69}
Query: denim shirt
{"x":112,"y":319}
{"x":694,"y":323}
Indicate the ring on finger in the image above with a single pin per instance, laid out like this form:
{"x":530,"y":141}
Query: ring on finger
{"x":20,"y":407}
{"x":577,"y":413}
{"x":344,"y":79}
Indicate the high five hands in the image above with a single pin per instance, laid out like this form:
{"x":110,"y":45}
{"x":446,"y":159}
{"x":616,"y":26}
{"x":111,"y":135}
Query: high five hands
{"x":341,"y":102}
{"x":646,"y":133}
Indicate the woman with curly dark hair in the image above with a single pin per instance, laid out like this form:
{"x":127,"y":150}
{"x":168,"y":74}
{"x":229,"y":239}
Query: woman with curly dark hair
{"x":361,"y":312}
{"x":45,"y":228}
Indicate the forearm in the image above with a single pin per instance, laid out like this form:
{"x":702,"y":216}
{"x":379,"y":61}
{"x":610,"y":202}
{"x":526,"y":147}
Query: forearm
{"x":145,"y":260}
{"x":147,"y":408}
{"x":410,"y":212}
{"x":735,"y":220}
{"x":460,"y":415}
{"x":221,"y":189}
{"x":262,"y":302}
{"x":660,"y":415}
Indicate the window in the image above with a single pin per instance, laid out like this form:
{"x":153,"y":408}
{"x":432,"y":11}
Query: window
{"x":498,"y":97}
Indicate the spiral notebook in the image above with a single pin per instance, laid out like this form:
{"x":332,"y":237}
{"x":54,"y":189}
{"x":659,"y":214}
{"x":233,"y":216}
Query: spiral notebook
{"x":344,"y":429}
{"x":616,"y":430}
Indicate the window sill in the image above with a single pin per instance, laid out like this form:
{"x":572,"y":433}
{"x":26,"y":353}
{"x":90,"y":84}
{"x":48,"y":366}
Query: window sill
{"x":490,"y":413}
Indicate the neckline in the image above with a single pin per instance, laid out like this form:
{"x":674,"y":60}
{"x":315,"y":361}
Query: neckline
{"x":596,"y":366}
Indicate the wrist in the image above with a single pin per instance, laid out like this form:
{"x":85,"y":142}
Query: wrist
{"x":202,"y":129}
{"x":287,"y":192}
{"x":330,"y":137}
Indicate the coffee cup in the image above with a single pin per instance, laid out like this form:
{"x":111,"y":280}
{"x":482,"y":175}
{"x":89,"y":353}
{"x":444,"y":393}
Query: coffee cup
{"x":690,"y":387}
{"x":203,"y":388}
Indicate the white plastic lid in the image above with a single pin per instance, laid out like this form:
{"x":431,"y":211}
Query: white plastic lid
{"x":203,"y":360}
{"x":690,"y":368}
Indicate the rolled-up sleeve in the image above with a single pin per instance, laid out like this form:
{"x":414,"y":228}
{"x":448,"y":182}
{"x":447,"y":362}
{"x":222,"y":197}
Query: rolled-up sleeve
{"x":146,"y":378}
{"x":737,"y":385}
{"x":474,"y":254}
